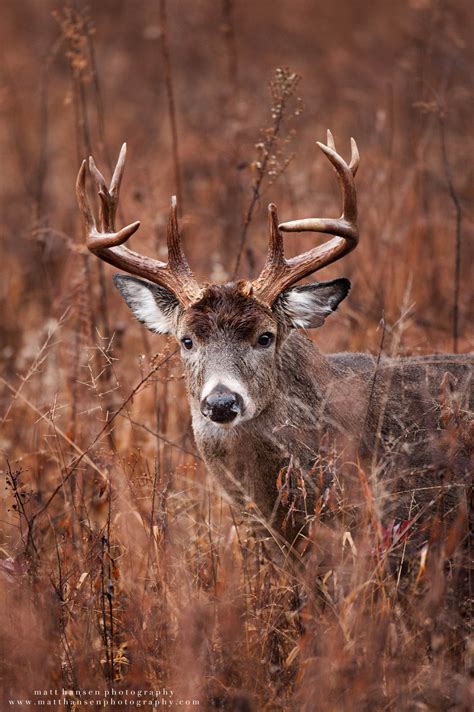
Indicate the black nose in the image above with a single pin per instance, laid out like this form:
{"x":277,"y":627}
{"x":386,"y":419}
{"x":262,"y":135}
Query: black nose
{"x":221,"y":405}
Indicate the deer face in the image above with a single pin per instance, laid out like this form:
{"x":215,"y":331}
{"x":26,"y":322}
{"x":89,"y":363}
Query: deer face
{"x":229,"y":341}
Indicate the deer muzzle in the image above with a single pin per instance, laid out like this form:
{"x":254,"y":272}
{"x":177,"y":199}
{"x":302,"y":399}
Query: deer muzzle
{"x":221,"y":405}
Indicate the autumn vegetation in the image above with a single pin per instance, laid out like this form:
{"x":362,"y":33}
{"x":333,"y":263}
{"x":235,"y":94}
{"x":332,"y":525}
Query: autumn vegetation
{"x":122,"y":564}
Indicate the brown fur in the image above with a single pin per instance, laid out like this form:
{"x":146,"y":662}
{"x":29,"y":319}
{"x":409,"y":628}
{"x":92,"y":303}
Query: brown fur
{"x":227,"y":310}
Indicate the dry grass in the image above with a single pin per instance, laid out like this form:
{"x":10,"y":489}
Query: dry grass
{"x":121,"y":565}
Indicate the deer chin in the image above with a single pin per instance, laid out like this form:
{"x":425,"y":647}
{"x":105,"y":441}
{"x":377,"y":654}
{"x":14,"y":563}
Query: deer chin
{"x":204,"y":426}
{"x":224,"y":426}
{"x":246,"y":415}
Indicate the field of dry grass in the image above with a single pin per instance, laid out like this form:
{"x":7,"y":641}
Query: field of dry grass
{"x":123,"y":568}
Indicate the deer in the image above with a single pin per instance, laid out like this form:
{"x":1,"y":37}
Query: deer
{"x":264,"y":399}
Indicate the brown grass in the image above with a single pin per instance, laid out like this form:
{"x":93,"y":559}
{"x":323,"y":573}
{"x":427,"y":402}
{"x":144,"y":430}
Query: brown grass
{"x":121,"y":564}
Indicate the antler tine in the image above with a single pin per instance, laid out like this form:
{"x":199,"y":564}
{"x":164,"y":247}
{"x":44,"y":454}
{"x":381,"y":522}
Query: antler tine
{"x":330,"y":140}
{"x":276,"y":251}
{"x":349,"y":201}
{"x":107,"y":244}
{"x":107,"y":206}
{"x":279,"y":273}
{"x":117,"y":176}
{"x":83,"y":200}
{"x":176,"y":257}
{"x":96,"y":240}
{"x":275,"y":267}
{"x":177,"y":261}
{"x":355,"y":158}
{"x":354,"y":164}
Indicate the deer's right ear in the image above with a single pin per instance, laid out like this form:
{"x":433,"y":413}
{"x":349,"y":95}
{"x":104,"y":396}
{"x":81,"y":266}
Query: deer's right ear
{"x":154,"y":306}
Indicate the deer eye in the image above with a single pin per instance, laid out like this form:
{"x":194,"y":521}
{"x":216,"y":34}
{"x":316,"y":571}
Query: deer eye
{"x":265,"y":339}
{"x":187,"y":343}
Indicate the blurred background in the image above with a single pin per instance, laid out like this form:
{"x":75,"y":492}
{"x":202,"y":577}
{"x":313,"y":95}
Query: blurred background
{"x":220,"y":102}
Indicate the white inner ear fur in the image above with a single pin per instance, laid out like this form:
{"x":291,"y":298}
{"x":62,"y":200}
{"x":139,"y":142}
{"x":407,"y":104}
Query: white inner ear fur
{"x":143,"y":305}
{"x":306,"y":308}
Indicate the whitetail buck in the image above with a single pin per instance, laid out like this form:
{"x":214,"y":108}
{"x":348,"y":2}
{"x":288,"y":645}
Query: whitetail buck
{"x":262,"y":396}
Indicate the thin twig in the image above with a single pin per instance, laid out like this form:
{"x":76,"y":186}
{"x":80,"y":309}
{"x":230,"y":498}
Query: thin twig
{"x":163,"y":439}
{"x":282,"y":88}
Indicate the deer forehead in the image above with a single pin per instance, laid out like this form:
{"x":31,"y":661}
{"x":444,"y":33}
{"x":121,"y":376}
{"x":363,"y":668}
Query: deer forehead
{"x":223,"y":308}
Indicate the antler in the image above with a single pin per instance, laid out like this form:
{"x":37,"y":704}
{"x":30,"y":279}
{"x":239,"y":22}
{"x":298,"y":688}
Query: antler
{"x":279,"y":273}
{"x":107,"y":244}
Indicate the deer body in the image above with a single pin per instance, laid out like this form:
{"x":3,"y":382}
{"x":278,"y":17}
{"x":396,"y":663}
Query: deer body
{"x":314,"y":403}
{"x":263,"y":398}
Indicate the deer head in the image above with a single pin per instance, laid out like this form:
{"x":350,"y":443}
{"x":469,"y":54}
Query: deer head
{"x":230,"y":335}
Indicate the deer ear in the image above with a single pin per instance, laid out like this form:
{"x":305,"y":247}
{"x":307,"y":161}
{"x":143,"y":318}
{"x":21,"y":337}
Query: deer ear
{"x":307,"y":306}
{"x":156,"y":307}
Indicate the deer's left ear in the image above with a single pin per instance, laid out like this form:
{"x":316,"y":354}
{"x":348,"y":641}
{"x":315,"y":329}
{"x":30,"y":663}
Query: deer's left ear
{"x":307,"y":306}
